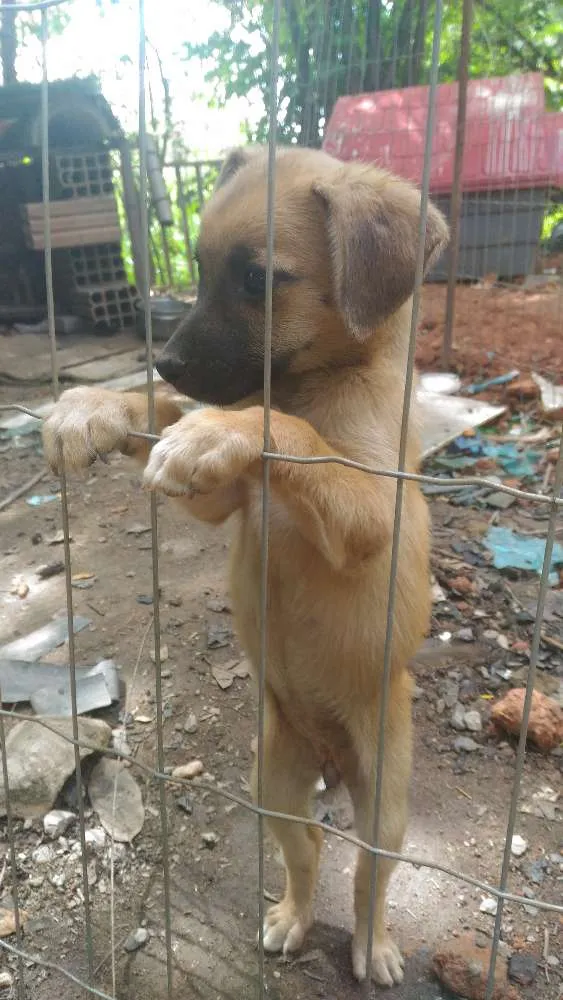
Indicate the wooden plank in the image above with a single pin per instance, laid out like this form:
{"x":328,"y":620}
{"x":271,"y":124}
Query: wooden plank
{"x":73,"y":206}
{"x":105,"y":234}
{"x":74,"y":222}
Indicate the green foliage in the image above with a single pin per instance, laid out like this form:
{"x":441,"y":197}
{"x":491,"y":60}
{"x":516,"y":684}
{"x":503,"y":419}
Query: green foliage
{"x":333,"y":47}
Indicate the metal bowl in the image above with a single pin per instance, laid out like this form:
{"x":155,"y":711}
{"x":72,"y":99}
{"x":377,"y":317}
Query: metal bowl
{"x":166,"y":315}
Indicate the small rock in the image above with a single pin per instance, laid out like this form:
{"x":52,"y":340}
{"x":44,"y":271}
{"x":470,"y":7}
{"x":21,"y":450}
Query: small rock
{"x":8,"y":920}
{"x":136,"y":939}
{"x":462,"y":585}
{"x":522,"y":968}
{"x":57,"y":822}
{"x":209,"y":839}
{"x":466,"y":744}
{"x":190,"y":770}
{"x":545,"y":727}
{"x":96,"y":838}
{"x":48,"y":570}
{"x":6,"y":981}
{"x":489,"y":905}
{"x":218,"y":605}
{"x":417,"y":692}
{"x":163,"y":654}
{"x":465,"y":634}
{"x":553,"y":961}
{"x":518,"y":846}
{"x":457,"y":720}
{"x":451,"y":694}
{"x":185,"y":803}
{"x":43,"y":855}
{"x":190,"y":725}
{"x":472,"y":721}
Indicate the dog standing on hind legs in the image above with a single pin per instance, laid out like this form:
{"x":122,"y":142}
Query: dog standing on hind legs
{"x":344,"y":271}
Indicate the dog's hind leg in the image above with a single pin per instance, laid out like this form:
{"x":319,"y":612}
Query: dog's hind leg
{"x":386,"y":962}
{"x":289,"y":774}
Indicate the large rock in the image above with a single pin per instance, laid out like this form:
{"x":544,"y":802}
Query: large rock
{"x":40,"y":761}
{"x":117,"y":799}
{"x":545,"y":726}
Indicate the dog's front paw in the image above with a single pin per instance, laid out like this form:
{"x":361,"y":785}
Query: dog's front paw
{"x":285,"y":928}
{"x":205,"y":450}
{"x":386,"y":961}
{"x":85,"y":424}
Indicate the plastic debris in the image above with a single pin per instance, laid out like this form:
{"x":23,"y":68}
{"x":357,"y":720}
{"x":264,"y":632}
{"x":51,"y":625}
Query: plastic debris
{"x":40,"y":498}
{"x":43,"y":640}
{"x":490,"y":383}
{"x":551,"y":397}
{"x":520,"y":552}
{"x":47,"y":686}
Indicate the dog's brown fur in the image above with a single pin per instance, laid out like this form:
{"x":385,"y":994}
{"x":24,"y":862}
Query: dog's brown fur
{"x":345,"y":251}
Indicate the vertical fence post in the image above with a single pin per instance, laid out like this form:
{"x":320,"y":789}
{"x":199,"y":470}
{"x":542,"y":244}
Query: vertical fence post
{"x":457,"y":187}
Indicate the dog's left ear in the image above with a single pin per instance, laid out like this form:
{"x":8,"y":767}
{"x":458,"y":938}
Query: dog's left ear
{"x":373,"y":222}
{"x":235,"y":161}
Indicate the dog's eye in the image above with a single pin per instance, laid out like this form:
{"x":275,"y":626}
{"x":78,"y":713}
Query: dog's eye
{"x":255,"y":282}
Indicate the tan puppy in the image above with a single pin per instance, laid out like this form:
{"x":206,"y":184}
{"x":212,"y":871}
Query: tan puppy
{"x":345,"y":248}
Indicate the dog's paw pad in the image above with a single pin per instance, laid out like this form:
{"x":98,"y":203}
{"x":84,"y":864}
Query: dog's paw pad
{"x":387,"y":963}
{"x":284,"y":929}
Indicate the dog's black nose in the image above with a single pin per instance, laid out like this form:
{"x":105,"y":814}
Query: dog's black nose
{"x":170,"y":368}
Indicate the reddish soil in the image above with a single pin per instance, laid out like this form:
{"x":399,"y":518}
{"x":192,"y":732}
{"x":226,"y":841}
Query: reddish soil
{"x":496,"y":329}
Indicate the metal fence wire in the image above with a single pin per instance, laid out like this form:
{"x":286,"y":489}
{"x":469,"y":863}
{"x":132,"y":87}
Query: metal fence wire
{"x":371,"y":71}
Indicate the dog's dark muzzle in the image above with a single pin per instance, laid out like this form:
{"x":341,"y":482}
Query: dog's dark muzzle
{"x":210,"y":364}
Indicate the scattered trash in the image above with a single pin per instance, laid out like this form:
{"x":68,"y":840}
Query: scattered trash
{"x":443,"y":383}
{"x":136,"y":939}
{"x":511,"y":550}
{"x":544,"y":803}
{"x":545,"y":726}
{"x":40,"y":498}
{"x":8,"y":920}
{"x":463,"y":967}
{"x":48,"y":570}
{"x":518,"y":846}
{"x":191,"y":770}
{"x":551,"y":397}
{"x":47,"y":686}
{"x":57,"y":822}
{"x":43,"y":640}
{"x":117,"y":799}
{"x":444,"y":417}
{"x":490,"y":383}
{"x":522,"y":389}
{"x":40,"y":760}
{"x":82,"y":581}
{"x":522,"y":968}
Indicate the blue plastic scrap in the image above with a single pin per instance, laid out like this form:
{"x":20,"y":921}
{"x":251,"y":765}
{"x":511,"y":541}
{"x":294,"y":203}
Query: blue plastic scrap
{"x":513,"y":460}
{"x":471,"y":390}
{"x":520,"y":552}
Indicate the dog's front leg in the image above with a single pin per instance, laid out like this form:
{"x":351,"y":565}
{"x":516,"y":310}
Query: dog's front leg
{"x":344,"y":513}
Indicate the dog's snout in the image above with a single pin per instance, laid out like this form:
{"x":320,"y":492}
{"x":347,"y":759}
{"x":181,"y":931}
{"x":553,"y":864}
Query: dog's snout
{"x":170,"y":368}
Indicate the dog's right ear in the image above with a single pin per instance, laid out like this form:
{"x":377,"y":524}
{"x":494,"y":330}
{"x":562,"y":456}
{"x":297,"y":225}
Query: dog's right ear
{"x":234,"y":161}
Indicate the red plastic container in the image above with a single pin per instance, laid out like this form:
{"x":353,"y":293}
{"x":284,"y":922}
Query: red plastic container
{"x":511,"y":141}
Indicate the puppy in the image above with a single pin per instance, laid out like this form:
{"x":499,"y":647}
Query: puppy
{"x":344,"y":271}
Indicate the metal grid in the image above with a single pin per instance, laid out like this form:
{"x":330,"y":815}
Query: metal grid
{"x":553,"y":501}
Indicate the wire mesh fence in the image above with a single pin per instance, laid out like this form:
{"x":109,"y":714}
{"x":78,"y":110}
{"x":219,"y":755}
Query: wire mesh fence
{"x":353,"y":48}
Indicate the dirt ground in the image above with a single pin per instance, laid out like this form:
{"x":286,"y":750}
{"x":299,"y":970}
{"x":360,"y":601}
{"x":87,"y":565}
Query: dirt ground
{"x":459,"y":800}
